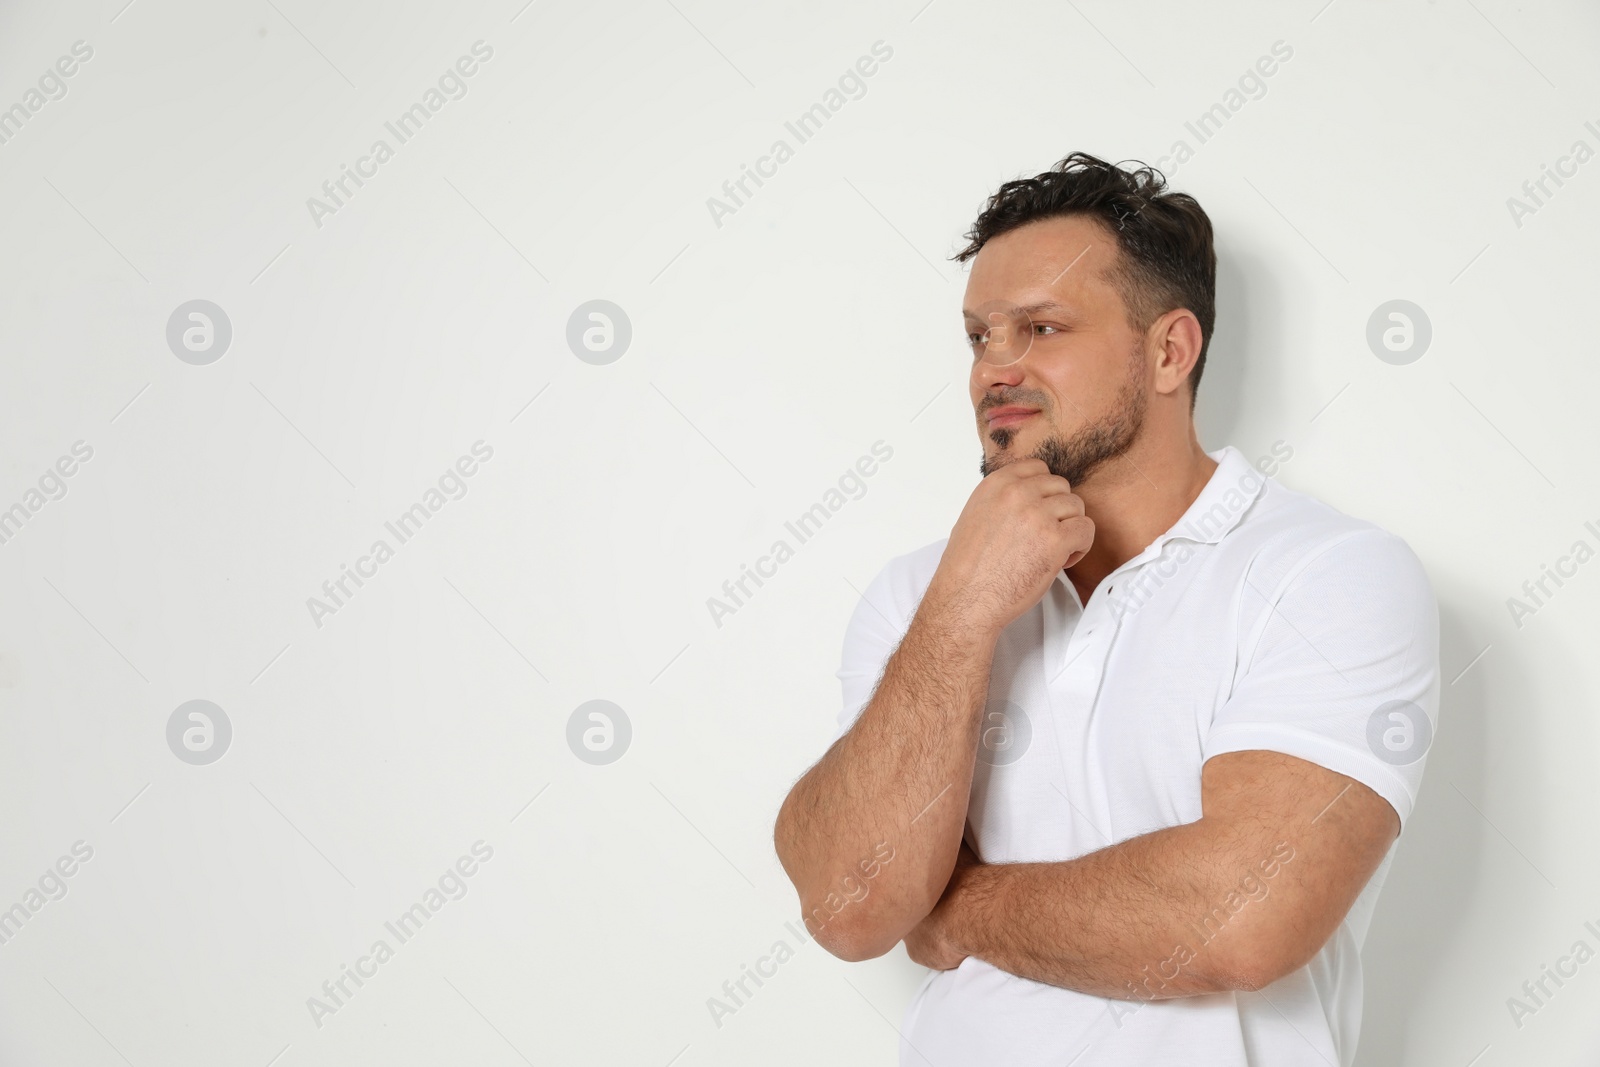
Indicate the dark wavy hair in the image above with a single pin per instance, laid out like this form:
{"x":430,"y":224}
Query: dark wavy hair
{"x":1166,"y":260}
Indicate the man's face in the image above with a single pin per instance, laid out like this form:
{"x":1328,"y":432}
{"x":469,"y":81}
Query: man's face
{"x":1040,"y":292}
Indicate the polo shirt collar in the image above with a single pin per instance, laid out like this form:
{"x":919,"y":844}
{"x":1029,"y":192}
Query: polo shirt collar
{"x":1232,"y":488}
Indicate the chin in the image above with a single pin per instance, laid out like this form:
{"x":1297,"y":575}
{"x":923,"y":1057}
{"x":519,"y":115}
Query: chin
{"x":1017,"y":441}
{"x":994,"y":459}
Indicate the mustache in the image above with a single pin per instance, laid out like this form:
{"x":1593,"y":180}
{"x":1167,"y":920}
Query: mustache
{"x":1021,"y":396}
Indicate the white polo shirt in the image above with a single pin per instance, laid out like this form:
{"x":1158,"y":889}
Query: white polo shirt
{"x":1264,"y":619}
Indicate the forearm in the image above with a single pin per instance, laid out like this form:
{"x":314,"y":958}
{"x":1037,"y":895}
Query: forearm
{"x":1139,"y":920}
{"x":896,"y":783}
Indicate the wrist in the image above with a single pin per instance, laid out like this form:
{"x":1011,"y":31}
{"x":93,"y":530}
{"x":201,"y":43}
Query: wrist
{"x":956,"y":614}
{"x":963,"y":898}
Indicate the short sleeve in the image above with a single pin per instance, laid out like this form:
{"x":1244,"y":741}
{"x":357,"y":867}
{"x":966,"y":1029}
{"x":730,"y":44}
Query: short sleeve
{"x":1340,"y":667}
{"x":870,"y":638}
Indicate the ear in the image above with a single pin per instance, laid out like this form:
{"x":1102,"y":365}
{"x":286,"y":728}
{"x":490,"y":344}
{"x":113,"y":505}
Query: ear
{"x":1175,"y":341}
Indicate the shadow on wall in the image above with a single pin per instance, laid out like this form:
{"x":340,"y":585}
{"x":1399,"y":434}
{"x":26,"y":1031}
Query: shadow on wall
{"x":1431,"y":882}
{"x":1426,"y":900}
{"x":1250,"y":346}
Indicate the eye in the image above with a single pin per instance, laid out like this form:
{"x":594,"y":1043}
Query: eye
{"x":1039,"y":329}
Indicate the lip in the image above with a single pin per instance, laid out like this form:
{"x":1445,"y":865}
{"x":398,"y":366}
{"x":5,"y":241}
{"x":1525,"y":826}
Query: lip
{"x":1009,"y":415}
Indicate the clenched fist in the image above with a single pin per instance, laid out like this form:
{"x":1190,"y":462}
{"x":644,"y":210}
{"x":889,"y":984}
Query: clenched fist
{"x":1020,"y":527}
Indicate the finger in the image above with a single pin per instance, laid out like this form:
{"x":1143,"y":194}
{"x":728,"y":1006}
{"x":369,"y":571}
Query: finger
{"x":1062,"y":505}
{"x":1078,"y":531}
{"x":1049,"y":484}
{"x":1039,"y":474}
{"x":1030,"y":467}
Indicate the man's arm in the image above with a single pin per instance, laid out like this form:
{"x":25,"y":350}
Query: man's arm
{"x":1234,"y":901}
{"x":897,"y":783}
{"x":1343,"y":675}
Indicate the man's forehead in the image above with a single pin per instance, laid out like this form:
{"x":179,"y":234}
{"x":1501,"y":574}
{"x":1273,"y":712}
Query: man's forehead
{"x":1051,"y":259}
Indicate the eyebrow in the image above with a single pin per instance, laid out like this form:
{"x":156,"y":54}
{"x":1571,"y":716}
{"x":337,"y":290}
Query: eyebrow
{"x":1030,"y":310}
{"x":1046,"y":305}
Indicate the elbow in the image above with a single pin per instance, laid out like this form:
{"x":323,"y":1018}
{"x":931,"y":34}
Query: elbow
{"x":1244,"y":981}
{"x":853,"y":934}
{"x":855,"y":947}
{"x":1252,"y":971}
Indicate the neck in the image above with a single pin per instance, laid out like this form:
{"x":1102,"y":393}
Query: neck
{"x":1136,"y":498}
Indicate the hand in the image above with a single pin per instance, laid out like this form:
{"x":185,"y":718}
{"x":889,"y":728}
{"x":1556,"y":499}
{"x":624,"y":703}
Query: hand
{"x":930,"y":941}
{"x":1019,"y":528}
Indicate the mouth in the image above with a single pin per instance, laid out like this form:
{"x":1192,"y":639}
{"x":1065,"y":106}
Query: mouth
{"x":1009,"y":416}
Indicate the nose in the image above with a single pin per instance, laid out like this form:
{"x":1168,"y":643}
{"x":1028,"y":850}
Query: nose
{"x":989,"y":378}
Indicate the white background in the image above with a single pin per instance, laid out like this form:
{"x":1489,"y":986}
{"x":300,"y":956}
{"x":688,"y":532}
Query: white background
{"x":768,"y":353}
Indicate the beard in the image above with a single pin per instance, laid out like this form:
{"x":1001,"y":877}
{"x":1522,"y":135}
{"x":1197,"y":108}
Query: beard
{"x":1076,"y":457}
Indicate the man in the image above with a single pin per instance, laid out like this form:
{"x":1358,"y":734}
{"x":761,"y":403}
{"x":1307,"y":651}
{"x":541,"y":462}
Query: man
{"x":1146,"y":724}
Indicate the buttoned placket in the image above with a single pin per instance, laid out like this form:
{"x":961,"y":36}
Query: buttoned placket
{"x":1077,"y":660}
{"x":1078,"y":638}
